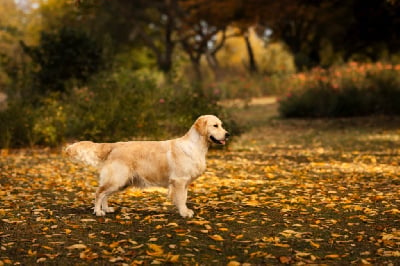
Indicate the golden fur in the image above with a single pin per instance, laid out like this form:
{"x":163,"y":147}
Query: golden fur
{"x":173,"y":164}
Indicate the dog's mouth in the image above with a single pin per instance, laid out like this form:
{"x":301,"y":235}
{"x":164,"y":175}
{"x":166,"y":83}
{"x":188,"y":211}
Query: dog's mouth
{"x":216,"y":141}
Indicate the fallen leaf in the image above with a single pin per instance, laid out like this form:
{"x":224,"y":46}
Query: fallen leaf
{"x":155,"y":250}
{"x":116,"y":259}
{"x":313,"y":244}
{"x":217,"y":237}
{"x":172,"y":258}
{"x":198,"y":222}
{"x":285,"y":259}
{"x":77,"y":246}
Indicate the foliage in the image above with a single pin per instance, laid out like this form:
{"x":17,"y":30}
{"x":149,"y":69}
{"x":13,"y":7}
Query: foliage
{"x":65,"y":55}
{"x":307,"y":194}
{"x":272,"y":58}
{"x":112,"y":107}
{"x":127,"y":104}
{"x":25,"y":124}
{"x":115,"y":106}
{"x":15,"y":25}
{"x":49,"y":122}
{"x":16,"y":125}
{"x":351,"y":90}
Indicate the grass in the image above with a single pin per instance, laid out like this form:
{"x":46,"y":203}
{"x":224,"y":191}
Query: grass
{"x":285,"y":192}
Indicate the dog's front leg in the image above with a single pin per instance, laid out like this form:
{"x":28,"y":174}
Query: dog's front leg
{"x":178,"y":193}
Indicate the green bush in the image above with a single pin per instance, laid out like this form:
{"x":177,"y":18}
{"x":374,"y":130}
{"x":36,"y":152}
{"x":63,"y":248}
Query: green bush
{"x":344,"y":94}
{"x":114,"y":106}
{"x":16,"y":125}
{"x":127,"y":104}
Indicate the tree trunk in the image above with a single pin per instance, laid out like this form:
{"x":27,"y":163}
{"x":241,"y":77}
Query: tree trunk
{"x":252,"y":62}
{"x":197,"y":70}
{"x":214,"y":65}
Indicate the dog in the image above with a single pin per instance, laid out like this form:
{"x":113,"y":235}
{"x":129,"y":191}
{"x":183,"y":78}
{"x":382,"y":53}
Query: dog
{"x":172,"y":164}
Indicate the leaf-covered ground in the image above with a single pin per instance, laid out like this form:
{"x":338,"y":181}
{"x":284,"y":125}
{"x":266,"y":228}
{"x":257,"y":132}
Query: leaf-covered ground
{"x":285,"y":192}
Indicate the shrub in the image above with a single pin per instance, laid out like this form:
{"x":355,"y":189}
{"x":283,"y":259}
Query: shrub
{"x":25,"y":124}
{"x":354,"y":90}
{"x":49,"y":121}
{"x":16,"y":126}
{"x":130,"y":104}
{"x":114,"y":106}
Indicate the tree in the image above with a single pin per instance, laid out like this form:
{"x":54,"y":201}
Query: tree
{"x":142,"y":22}
{"x":61,"y":56}
{"x":374,"y":29}
{"x":16,"y":24}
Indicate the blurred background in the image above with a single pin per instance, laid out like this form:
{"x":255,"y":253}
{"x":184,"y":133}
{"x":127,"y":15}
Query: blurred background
{"x":110,"y":70}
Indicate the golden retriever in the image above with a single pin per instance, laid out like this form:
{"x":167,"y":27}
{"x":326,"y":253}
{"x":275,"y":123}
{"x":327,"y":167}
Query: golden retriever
{"x":172,"y":164}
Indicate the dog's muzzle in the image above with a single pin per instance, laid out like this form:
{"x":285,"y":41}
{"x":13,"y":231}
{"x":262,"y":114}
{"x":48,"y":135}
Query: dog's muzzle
{"x":222,"y":141}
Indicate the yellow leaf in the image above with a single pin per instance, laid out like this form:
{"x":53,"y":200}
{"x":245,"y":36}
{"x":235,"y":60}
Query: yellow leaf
{"x":32,"y":253}
{"x":252,"y":203}
{"x":302,"y":254}
{"x":332,"y":256}
{"x":213,"y":247}
{"x":270,"y":175}
{"x":282,"y":245}
{"x":173,"y":258}
{"x":155,"y":250}
{"x":198,"y":222}
{"x":270,"y":239}
{"x":394,"y":211}
{"x":285,"y":259}
{"x":233,"y":263}
{"x":172,"y":224}
{"x":238,"y":236}
{"x":114,"y":244}
{"x":315,"y":245}
{"x":217,"y":238}
{"x":68,"y":231}
{"x":116,"y":259}
{"x":365,"y":262}
{"x":77,"y":246}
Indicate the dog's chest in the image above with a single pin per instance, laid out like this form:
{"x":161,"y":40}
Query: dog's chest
{"x":194,"y":168}
{"x":190,"y":163}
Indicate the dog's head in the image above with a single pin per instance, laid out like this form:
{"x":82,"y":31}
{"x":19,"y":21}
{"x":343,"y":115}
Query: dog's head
{"x":210,"y":127}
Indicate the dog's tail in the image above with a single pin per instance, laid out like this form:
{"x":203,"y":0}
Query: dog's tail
{"x":89,"y":152}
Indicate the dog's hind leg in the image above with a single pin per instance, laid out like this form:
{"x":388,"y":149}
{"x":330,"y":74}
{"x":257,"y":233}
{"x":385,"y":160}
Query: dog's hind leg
{"x":105,"y":207}
{"x":113,"y":178}
{"x":101,"y":204}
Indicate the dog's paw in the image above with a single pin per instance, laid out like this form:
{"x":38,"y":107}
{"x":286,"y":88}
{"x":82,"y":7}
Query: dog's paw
{"x":109,"y":210}
{"x":100,"y":213}
{"x":187,"y":213}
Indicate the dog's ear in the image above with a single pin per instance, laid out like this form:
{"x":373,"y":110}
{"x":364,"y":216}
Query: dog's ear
{"x":201,"y":126}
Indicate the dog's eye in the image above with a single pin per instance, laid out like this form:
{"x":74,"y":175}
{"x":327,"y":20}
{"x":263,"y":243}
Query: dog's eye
{"x":215,"y":125}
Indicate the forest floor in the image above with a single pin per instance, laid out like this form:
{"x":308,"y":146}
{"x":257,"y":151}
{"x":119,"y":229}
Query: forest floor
{"x":321,"y":192}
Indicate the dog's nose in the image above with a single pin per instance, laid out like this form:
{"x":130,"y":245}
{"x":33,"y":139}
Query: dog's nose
{"x":227,"y":135}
